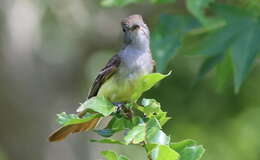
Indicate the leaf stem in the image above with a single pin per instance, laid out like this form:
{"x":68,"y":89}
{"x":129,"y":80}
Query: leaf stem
{"x":147,"y":151}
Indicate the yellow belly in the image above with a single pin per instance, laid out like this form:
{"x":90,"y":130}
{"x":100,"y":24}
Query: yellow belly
{"x":118,"y":89}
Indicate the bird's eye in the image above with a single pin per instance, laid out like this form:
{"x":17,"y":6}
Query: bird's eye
{"x":124,"y":30}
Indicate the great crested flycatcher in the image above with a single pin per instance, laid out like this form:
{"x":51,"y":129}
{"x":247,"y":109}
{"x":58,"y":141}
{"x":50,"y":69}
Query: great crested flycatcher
{"x":117,"y":80}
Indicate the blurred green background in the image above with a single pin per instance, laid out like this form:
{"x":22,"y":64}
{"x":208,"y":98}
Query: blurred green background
{"x":51,"y":50}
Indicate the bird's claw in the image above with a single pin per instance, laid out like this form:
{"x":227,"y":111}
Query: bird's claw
{"x":123,"y":109}
{"x":119,"y":106}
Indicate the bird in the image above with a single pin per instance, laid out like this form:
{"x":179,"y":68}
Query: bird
{"x":117,"y":80}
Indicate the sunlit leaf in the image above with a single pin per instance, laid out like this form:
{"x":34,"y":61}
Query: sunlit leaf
{"x":120,"y":123}
{"x":98,"y":104}
{"x":179,"y":146}
{"x":188,"y":150}
{"x":147,"y":82}
{"x":156,"y":136}
{"x":110,"y":155}
{"x":110,"y":3}
{"x":164,"y":152}
{"x":152,"y":123}
{"x":152,"y":108}
{"x":65,"y":119}
{"x":135,"y":135}
{"x":109,"y":141}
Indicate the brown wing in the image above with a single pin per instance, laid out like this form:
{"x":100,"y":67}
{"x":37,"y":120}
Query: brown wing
{"x":105,"y":73}
{"x":110,"y":68}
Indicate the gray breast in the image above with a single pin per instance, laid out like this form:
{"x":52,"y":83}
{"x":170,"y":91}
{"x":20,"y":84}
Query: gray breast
{"x":135,"y":62}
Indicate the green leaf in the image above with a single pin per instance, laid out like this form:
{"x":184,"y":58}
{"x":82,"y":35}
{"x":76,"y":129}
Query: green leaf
{"x":188,"y":150}
{"x":164,"y":152}
{"x":207,"y":66}
{"x":167,"y":36}
{"x":110,"y":3}
{"x":157,"y":136}
{"x":224,"y":71}
{"x":244,"y":51}
{"x":240,"y":35}
{"x":162,"y":118}
{"x":65,"y":119}
{"x":154,"y":135}
{"x":146,"y":82}
{"x":152,"y":123}
{"x":110,"y":155}
{"x":179,"y":146}
{"x":198,"y":7}
{"x":136,"y":120}
{"x":135,"y":135}
{"x":162,"y":1}
{"x":108,"y":140}
{"x":209,"y":43}
{"x":152,"y":108}
{"x":106,"y":132}
{"x":217,"y":41}
{"x":245,"y":44}
{"x":121,"y":123}
{"x":98,"y":104}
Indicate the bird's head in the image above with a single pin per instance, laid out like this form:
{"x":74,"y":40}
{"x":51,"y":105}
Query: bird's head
{"x":135,"y":30}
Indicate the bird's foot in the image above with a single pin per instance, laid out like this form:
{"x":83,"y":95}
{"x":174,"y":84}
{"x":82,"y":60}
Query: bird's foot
{"x":121,"y":108}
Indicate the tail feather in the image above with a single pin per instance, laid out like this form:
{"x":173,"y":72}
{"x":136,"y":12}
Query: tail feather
{"x":63,"y":132}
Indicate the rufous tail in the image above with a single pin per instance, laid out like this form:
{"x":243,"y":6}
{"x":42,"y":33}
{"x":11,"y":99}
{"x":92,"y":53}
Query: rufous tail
{"x":63,"y":132}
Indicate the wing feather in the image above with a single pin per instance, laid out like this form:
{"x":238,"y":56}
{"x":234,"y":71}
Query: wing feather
{"x":105,"y":73}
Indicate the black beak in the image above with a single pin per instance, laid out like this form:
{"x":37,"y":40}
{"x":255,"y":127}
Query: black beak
{"x":134,"y":27}
{"x":126,"y":27}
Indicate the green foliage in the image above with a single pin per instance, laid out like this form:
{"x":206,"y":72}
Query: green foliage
{"x":144,"y":130}
{"x":240,"y":35}
{"x":109,"y":3}
{"x":68,"y":119}
{"x":164,"y":152}
{"x":162,"y":1}
{"x":110,"y":155}
{"x":167,"y":35}
{"x":217,"y":29}
{"x":188,"y":149}
{"x":224,"y":71}
{"x":107,"y":140}
{"x":198,"y":9}
{"x":97,"y":104}
{"x":151,"y":108}
{"x":145,"y":83}
{"x":136,"y":134}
